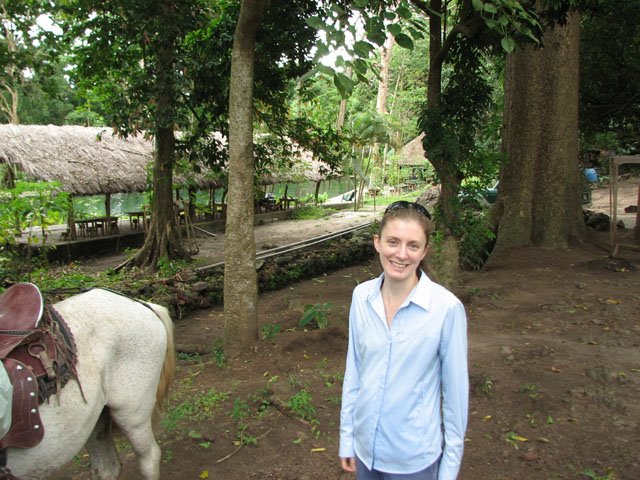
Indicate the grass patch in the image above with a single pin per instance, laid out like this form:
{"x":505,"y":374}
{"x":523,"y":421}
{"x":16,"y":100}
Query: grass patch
{"x":311,"y":212}
{"x":197,"y":408}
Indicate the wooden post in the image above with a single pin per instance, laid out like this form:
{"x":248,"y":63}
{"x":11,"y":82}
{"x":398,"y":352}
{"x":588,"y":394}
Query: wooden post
{"x":192,"y":203}
{"x":107,"y":205}
{"x":613,"y":206}
{"x":71,"y":220}
{"x":638,"y":215}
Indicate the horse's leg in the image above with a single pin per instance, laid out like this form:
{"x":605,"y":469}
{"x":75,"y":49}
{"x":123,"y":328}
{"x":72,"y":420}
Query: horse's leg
{"x":105,"y":464}
{"x":144,"y":445}
{"x":132,"y":411}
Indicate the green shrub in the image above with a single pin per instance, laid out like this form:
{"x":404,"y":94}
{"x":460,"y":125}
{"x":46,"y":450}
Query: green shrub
{"x":476,"y":241}
{"x":317,"y":313}
{"x":311,"y":212}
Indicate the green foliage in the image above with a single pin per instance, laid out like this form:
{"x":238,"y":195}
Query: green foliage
{"x":244,"y":438}
{"x":310,"y":212}
{"x":270,"y":330}
{"x":47,"y":98}
{"x":25,"y":54}
{"x":476,"y":236}
{"x":476,"y":240}
{"x":531,"y":389}
{"x":510,"y":20}
{"x":593,"y":475}
{"x":218,"y":353}
{"x":302,"y":405}
{"x":240,"y":410}
{"x":198,"y":436}
{"x":514,"y":439}
{"x":610,"y":76}
{"x":451,"y":128}
{"x":73,"y":278}
{"x":317,"y":313}
{"x":484,"y":384}
{"x":169,"y":268}
{"x":31,"y":207}
{"x":377,"y":19}
{"x":199,"y":407}
{"x":126,"y":56}
{"x":189,"y":357}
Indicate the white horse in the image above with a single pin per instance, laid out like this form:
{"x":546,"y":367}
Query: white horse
{"x":125,"y":364}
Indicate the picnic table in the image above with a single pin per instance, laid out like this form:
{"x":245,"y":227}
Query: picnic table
{"x":90,"y":227}
{"x":139,"y":218}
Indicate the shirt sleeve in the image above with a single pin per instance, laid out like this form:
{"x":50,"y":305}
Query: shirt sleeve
{"x":350,"y":389}
{"x":455,"y":389}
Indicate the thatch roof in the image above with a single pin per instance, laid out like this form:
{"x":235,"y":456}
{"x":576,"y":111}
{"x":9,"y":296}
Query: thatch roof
{"x":305,"y":168}
{"x":413,"y":154}
{"x":85,"y":160}
{"x":91,"y":161}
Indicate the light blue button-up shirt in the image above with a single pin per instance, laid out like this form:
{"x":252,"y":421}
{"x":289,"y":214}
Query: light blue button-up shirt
{"x":391,"y":395}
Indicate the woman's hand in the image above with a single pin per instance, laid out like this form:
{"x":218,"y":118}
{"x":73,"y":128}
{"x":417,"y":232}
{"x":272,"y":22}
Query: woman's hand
{"x":348,"y":464}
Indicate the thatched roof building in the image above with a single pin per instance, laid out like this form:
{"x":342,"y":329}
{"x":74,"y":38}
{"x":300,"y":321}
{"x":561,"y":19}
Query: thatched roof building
{"x":91,"y":160}
{"x":413,"y":154}
{"x":305,"y":168}
{"x":85,"y":160}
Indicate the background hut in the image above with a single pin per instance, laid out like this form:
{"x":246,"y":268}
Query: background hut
{"x":413,"y":159}
{"x":84,"y":160}
{"x":93,"y":161}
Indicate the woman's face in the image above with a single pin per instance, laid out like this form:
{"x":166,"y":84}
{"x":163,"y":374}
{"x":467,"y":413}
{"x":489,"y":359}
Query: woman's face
{"x":402,"y":245}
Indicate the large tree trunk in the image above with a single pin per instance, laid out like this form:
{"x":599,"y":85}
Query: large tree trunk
{"x":162,"y":240}
{"x":240,"y":278}
{"x":383,"y":84}
{"x":381,"y":98}
{"x":539,"y":199}
{"x":9,"y":98}
{"x":446,"y":269}
{"x":448,"y":173}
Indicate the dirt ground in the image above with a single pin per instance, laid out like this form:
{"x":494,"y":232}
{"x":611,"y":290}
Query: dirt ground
{"x":554,"y":360}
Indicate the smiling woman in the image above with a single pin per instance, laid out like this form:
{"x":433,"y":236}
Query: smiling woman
{"x":407,"y":345}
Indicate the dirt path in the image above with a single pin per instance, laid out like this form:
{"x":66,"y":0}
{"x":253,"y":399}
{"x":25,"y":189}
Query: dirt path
{"x":284,"y":232}
{"x":268,"y":235}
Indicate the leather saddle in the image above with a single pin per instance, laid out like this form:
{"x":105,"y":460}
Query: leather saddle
{"x":39,"y":354}
{"x":21,"y":308}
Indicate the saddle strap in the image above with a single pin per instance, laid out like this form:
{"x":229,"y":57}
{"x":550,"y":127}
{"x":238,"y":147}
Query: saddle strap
{"x":26,"y":428}
{"x":5,"y":474}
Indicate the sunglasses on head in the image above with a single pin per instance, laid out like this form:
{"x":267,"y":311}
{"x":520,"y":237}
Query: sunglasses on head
{"x":413,"y":205}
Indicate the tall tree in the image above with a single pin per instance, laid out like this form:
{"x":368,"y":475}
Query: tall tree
{"x":163,"y":239}
{"x":539,"y":200}
{"x":22,"y":49}
{"x":460,"y":35}
{"x":383,"y":85}
{"x":129,"y":53}
{"x":240,"y":278}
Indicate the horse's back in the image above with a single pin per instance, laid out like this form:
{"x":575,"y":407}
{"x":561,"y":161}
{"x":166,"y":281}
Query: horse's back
{"x":113,"y":319}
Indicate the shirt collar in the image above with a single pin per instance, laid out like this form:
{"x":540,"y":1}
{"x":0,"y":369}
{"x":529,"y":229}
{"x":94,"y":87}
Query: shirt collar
{"x":421,"y":294}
